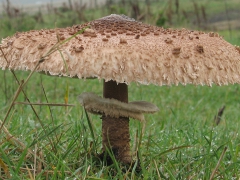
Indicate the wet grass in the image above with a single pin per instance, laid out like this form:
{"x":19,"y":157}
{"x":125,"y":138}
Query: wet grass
{"x":181,"y":141}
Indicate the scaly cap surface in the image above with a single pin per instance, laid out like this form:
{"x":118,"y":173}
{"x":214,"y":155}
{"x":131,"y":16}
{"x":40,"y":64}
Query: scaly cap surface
{"x":119,"y":48}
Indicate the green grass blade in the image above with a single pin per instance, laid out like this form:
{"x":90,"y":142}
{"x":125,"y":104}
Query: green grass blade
{"x":91,"y":129}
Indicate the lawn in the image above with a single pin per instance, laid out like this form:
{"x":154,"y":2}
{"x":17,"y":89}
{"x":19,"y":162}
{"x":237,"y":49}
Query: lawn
{"x":181,"y":141}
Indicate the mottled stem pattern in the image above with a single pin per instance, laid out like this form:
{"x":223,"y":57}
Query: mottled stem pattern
{"x":115,"y":131}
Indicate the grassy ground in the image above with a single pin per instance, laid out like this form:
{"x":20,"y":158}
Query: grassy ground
{"x":181,"y":141}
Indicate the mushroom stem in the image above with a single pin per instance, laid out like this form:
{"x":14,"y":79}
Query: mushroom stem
{"x":115,"y":131}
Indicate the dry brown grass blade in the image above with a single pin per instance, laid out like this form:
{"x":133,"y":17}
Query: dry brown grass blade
{"x":46,"y":172}
{"x":5,"y":169}
{"x":44,"y":104}
{"x":35,"y":160}
{"x":12,"y":103}
{"x":30,"y":174}
{"x":156,"y":167}
{"x":20,"y":88}
{"x":135,"y":144}
{"x":40,"y":162}
{"x":218,"y":164}
{"x":23,"y":83}
{"x":21,"y":147}
{"x":13,"y":140}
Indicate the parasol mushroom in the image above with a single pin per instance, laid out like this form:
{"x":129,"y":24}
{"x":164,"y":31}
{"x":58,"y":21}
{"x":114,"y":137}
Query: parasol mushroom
{"x":121,"y":50}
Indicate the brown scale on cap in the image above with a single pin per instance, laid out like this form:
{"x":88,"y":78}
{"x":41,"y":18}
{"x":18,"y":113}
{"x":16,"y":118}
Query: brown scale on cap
{"x":195,"y":33}
{"x":41,"y":46}
{"x":211,"y":34}
{"x":108,"y":30}
{"x":62,"y":37}
{"x":190,"y":37}
{"x":104,"y":39}
{"x":176,"y":50}
{"x":200,"y":48}
{"x":168,"y":40}
{"x":123,"y":41}
{"x":72,"y":31}
{"x":78,"y":48}
{"x":120,"y":31}
{"x":137,"y":36}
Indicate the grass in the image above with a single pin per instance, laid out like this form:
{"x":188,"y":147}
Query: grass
{"x":181,"y":141}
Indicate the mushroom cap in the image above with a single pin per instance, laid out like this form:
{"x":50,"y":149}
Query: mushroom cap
{"x":119,"y":48}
